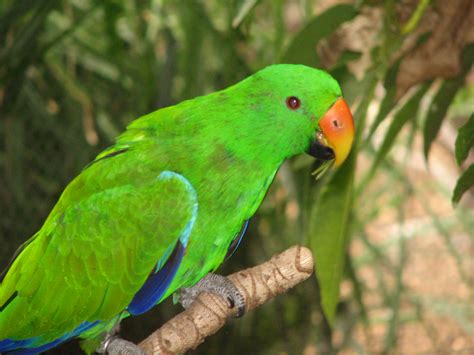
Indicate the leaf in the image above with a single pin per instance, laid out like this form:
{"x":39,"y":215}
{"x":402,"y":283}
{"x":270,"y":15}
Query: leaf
{"x":389,"y":100}
{"x":246,"y":7}
{"x":351,"y":87}
{"x":392,"y":95}
{"x":415,"y":17}
{"x":346,"y":56}
{"x":465,"y":140}
{"x":328,"y":233}
{"x":407,"y":112}
{"x":349,"y":83}
{"x":464,"y":183}
{"x":437,"y":111}
{"x":440,"y":104}
{"x":302,"y":49}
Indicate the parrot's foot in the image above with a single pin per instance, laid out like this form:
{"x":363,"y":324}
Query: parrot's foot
{"x":113,"y":345}
{"x":217,"y":284}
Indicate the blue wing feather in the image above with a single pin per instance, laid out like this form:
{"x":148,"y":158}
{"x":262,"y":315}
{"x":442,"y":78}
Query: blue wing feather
{"x":157,"y":283}
{"x":237,"y":240}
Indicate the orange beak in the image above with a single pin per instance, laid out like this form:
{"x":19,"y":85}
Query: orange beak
{"x":337,"y":127}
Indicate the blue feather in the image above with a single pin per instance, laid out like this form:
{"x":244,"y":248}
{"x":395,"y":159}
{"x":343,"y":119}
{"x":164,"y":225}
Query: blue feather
{"x":27,"y":346}
{"x":157,"y":283}
{"x":237,"y":240}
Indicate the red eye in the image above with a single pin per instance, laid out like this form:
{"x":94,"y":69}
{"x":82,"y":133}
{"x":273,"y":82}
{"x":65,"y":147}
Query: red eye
{"x":293,"y":102}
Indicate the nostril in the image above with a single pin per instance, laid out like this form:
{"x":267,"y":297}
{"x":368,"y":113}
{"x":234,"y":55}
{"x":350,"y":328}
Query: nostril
{"x":335,"y":123}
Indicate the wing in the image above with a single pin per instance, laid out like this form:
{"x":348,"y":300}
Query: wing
{"x":89,"y":262}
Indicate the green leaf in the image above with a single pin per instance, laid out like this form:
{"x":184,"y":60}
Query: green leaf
{"x":328,"y":233}
{"x":415,"y":17}
{"x":407,"y":112}
{"x":465,"y":140}
{"x":440,"y":104}
{"x":244,"y":10}
{"x":302,"y":49}
{"x":347,"y":56}
{"x":465,"y":182}
{"x":351,"y":87}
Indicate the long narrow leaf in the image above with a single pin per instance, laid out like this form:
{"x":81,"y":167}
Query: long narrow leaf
{"x":407,"y":112}
{"x":464,"y":183}
{"x":328,"y":234}
{"x":244,"y":10}
{"x":465,"y":140}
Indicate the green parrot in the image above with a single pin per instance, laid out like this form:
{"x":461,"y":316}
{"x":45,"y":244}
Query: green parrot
{"x":166,"y":205}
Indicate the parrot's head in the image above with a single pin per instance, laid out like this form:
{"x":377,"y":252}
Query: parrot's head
{"x":304,"y":111}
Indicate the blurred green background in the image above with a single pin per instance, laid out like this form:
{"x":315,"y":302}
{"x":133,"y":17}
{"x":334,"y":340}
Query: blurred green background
{"x":383,"y":228}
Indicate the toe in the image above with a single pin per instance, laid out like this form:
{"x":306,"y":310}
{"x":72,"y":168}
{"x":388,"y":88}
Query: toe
{"x":236,"y":300}
{"x":240,"y":311}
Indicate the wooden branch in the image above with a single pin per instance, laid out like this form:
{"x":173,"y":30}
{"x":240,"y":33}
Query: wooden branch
{"x":209,"y":312}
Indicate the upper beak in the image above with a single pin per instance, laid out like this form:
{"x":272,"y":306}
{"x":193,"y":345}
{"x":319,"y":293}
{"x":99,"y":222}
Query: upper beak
{"x":336,"y":136}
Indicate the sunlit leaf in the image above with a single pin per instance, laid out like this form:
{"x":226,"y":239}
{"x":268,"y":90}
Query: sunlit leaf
{"x":328,"y":234}
{"x":244,"y":10}
{"x":442,"y":100}
{"x":465,"y":140}
{"x":302,"y":49}
{"x":464,"y":183}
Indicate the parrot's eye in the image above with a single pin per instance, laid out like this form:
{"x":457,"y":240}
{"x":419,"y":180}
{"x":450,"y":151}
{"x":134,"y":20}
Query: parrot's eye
{"x":293,"y":102}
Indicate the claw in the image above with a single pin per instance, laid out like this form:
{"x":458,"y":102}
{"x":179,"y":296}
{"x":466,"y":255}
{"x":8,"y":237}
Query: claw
{"x":217,"y":284}
{"x":117,"y":346}
{"x":113,"y":345}
{"x":240,"y":309}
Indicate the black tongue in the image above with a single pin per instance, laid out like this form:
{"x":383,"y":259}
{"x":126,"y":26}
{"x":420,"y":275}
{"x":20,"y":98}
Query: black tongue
{"x":320,"y":151}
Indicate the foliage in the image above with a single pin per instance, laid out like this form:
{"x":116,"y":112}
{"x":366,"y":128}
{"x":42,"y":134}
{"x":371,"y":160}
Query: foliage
{"x":74,"y":73}
{"x":464,"y":143}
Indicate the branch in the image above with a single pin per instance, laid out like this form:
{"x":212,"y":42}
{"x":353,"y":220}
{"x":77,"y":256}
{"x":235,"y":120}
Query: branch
{"x":209,"y":312}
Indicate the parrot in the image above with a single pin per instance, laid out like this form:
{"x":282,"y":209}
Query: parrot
{"x":162,"y":208}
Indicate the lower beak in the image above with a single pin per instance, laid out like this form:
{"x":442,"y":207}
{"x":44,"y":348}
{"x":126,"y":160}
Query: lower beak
{"x":335,"y":139}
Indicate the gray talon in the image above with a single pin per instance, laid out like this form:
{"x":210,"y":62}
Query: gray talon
{"x":216,"y":284}
{"x":113,"y":345}
{"x":119,"y":346}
